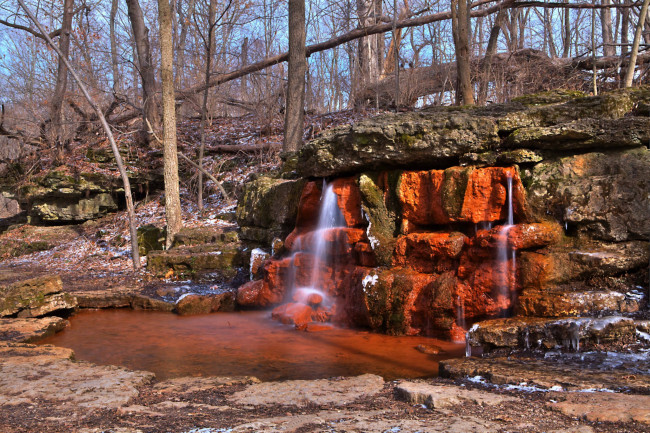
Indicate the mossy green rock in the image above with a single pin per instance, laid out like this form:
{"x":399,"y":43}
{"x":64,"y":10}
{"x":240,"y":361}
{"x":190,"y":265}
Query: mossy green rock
{"x":151,"y":238}
{"x":268,"y":208}
{"x":189,"y":236}
{"x":440,"y":137}
{"x":396,"y":141}
{"x":221,"y":260}
{"x":35,"y":297}
{"x":382,"y":215}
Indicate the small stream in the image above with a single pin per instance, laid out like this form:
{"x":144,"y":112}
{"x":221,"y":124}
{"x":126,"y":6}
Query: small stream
{"x":242,"y":344}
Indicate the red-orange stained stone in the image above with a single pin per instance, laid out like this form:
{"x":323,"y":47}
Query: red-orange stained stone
{"x":428,"y":252}
{"x":293,"y":313}
{"x":520,"y":236}
{"x":420,"y":194}
{"x":349,"y":200}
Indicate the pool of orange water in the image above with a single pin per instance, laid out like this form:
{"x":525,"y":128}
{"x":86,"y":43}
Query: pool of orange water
{"x":242,"y":344}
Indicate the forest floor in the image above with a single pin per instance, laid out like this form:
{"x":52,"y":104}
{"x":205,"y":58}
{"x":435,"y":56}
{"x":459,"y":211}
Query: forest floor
{"x":43,"y":389}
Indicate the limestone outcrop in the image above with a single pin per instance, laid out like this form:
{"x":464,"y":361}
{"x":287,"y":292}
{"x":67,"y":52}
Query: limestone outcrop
{"x":35,"y":297}
{"x":538,"y":208}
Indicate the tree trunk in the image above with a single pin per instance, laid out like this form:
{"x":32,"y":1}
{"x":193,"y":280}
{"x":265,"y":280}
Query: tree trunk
{"x":56,"y":107}
{"x":170,"y":152}
{"x":294,"y":112}
{"x":150,"y":114}
{"x":609,"y":49}
{"x":629,"y":76}
{"x":460,"y":30}
{"x":489,"y":53}
{"x":182,"y":38}
{"x":212,"y":18}
{"x":114,"y":61}
{"x":625,"y":39}
{"x":107,"y":129}
{"x":566,"y":33}
{"x":371,"y":48}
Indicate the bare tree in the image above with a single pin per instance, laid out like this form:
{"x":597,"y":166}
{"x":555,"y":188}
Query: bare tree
{"x":294,"y":113}
{"x":107,"y":129}
{"x":460,"y":26}
{"x":170,"y":152}
{"x":56,"y":106}
{"x":629,"y":75}
{"x":150,"y":114}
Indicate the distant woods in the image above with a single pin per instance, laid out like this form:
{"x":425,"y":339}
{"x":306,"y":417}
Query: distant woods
{"x":273,"y":59}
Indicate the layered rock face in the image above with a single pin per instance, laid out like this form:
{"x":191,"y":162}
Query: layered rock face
{"x":538,"y":208}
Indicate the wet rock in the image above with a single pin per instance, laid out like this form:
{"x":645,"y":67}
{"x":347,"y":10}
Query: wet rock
{"x":442,"y":397}
{"x":545,"y":374}
{"x":459,"y":194}
{"x":349,"y":200}
{"x":35,"y":297}
{"x":46,"y":375}
{"x":258,"y":257}
{"x":396,"y":141}
{"x":293,"y":313}
{"x":605,"y":407}
{"x":506,"y":157}
{"x":337,"y":392}
{"x":379,"y":205}
{"x":192,"y":304}
{"x":429,"y":252}
{"x":604,"y":196}
{"x":520,"y":236}
{"x":558,"y":302}
{"x":338,"y":241}
{"x":278,"y":198}
{"x":429,"y":349}
{"x":308,"y":296}
{"x":120,"y":297}
{"x":150,"y":238}
{"x":30,"y":330}
{"x":550,"y":333}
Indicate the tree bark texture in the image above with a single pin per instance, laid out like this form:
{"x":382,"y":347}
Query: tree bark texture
{"x":147,"y":73}
{"x":294,"y":112}
{"x":56,"y":107}
{"x":371,"y":47}
{"x":170,"y":152}
{"x":460,"y":29}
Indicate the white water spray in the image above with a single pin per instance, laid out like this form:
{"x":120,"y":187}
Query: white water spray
{"x":506,"y":256}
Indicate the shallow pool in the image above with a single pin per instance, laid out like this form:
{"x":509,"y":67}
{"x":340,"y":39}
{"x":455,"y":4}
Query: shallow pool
{"x":242,"y":344}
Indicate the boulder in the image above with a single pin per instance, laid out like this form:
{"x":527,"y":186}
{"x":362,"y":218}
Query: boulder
{"x":429,"y":252}
{"x":192,"y":304}
{"x":560,"y":302}
{"x":279,"y":200}
{"x":35,"y":297}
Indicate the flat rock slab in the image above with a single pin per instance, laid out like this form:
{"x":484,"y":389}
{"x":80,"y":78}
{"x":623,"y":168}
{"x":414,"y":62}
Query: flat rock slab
{"x":46,"y":374}
{"x":442,"y":396}
{"x":188,"y":385}
{"x":379,"y":421}
{"x":301,"y":392}
{"x":605,"y":407}
{"x":30,"y":330}
{"x":534,"y":372}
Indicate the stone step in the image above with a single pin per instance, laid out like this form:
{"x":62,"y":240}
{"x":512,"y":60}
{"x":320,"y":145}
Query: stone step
{"x":557,"y":302}
{"x":189,"y":236}
{"x":547,"y":374}
{"x":550,"y":333}
{"x":222,"y":261}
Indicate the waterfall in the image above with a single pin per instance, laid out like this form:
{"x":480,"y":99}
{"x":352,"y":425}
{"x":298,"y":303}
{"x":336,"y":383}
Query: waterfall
{"x":506,"y":257}
{"x":330,"y":216}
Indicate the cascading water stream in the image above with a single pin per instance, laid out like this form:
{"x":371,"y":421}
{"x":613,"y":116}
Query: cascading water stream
{"x":329,"y":217}
{"x":506,"y":257}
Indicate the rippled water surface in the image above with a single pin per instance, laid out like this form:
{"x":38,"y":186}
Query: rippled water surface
{"x":242,"y":343}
